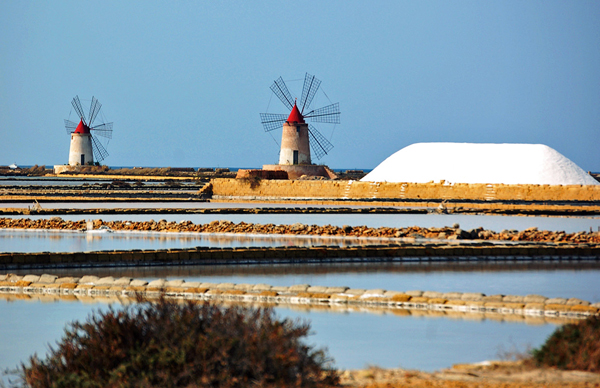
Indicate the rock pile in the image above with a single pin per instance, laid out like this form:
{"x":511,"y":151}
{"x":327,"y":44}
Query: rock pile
{"x":224,"y":226}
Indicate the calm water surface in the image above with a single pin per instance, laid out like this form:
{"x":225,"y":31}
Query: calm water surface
{"x":167,"y":205}
{"x":355,"y":339}
{"x":32,"y":240}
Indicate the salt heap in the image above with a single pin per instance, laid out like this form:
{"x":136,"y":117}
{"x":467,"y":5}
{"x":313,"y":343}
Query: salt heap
{"x":510,"y":164}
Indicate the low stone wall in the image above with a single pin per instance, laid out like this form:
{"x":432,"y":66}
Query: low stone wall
{"x":300,"y":294}
{"x":385,"y":190}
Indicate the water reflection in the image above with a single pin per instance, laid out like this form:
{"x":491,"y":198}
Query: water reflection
{"x":229,"y":270}
{"x":407,"y":339}
{"x":48,"y":182}
{"x":341,"y":308}
{"x":62,"y":181}
{"x":172,"y":205}
{"x":35,"y":240}
{"x":388,"y":339}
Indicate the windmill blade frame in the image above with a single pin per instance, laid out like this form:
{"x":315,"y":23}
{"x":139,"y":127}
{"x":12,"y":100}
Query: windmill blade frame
{"x":70,"y":126}
{"x":272,"y":121}
{"x":77,"y":106}
{"x":329,"y":114}
{"x":281,"y":91}
{"x":319,"y":145}
{"x":94,"y":109}
{"x":311,"y":85}
{"x":100,"y":153}
{"x":104,"y":130}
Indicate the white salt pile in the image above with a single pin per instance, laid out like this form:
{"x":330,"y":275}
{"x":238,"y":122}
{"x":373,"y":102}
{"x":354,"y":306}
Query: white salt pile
{"x":480,"y":163}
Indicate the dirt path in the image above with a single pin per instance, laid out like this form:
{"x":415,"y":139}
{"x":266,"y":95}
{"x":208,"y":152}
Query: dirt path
{"x":494,"y":374}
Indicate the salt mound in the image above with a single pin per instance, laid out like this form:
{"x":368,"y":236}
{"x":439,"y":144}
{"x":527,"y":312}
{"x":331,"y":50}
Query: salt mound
{"x":480,"y":163}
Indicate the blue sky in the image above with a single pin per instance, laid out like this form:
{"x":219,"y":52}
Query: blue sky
{"x":184,"y":82}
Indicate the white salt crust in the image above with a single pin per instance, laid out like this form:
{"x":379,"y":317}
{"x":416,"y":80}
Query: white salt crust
{"x":510,"y":164}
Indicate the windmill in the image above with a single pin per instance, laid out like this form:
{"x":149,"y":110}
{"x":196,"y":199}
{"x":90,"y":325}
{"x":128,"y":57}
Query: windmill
{"x":85,"y":147}
{"x":298,"y":137}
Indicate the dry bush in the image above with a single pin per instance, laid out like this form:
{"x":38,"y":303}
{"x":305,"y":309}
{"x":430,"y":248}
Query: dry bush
{"x":35,"y":171}
{"x":254,"y":182}
{"x":170,"y":344}
{"x":574,"y":346}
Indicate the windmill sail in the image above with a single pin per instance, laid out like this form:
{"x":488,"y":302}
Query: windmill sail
{"x":100,"y":152}
{"x":319,"y":145}
{"x":281,"y":91}
{"x":104,"y":130}
{"x":311,"y":85}
{"x":328,"y":114}
{"x":94,"y":109}
{"x":272,"y":121}
{"x":70,"y":126}
{"x":77,"y":106}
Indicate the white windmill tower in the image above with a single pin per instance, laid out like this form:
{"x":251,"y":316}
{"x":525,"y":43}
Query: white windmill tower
{"x":85,"y":148}
{"x":298,"y":137}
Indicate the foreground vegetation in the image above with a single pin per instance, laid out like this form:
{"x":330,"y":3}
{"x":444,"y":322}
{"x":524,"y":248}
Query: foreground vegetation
{"x":170,"y":344}
{"x":574,"y":346}
{"x":167,"y":344}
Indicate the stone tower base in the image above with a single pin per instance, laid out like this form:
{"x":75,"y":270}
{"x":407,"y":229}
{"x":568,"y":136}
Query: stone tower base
{"x":295,"y":171}
{"x":60,"y":168}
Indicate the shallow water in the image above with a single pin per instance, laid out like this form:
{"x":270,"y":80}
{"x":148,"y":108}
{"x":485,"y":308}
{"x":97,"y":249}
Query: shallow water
{"x":61,"y":181}
{"x":412,"y":342}
{"x":354,"y":339}
{"x":169,"y":205}
{"x":40,"y":240}
{"x":45,"y":183}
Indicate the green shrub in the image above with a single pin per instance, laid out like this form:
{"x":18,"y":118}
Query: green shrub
{"x":573,"y":346}
{"x":168,"y":344}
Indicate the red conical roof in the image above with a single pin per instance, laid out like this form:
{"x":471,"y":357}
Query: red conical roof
{"x":295,"y":115}
{"x":82,"y":128}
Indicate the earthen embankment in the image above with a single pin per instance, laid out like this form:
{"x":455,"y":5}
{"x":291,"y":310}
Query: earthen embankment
{"x":240,"y":188}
